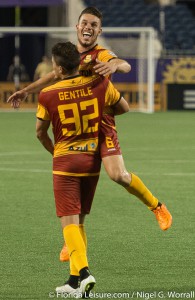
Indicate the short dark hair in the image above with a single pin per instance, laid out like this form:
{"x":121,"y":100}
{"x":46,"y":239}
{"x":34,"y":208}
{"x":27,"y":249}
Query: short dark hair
{"x":92,"y":10}
{"x":67,"y":56}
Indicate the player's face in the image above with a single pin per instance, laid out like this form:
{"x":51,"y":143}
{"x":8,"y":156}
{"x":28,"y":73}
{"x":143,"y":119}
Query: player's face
{"x":88,"y":30}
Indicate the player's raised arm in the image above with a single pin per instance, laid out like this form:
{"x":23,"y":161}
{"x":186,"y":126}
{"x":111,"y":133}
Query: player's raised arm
{"x":112,"y":66}
{"x":34,"y":87}
{"x":17,"y":97}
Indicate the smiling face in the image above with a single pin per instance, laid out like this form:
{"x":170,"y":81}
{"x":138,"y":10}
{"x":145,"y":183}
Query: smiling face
{"x":88,"y":30}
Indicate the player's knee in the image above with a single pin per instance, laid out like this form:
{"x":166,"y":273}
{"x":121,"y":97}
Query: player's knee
{"x":121,"y":177}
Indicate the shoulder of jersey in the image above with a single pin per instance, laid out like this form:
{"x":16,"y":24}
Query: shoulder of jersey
{"x":98,"y":47}
{"x":71,"y":83}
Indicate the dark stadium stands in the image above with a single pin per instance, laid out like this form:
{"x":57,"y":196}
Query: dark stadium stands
{"x":179,"y":19}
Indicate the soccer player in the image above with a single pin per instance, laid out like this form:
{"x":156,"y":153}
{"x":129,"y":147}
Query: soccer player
{"x":74,"y":106}
{"x":97,"y":60}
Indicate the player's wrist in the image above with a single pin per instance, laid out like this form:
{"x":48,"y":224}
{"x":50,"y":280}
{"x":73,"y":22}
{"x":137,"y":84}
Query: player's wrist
{"x":24,"y":90}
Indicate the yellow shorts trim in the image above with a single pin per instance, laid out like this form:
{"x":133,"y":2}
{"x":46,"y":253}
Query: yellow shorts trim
{"x":75,"y":174}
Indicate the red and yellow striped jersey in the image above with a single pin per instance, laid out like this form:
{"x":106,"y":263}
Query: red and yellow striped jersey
{"x":88,"y":59}
{"x":75,"y":107}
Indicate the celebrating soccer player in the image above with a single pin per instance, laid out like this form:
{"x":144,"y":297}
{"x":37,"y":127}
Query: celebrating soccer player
{"x":97,"y":60}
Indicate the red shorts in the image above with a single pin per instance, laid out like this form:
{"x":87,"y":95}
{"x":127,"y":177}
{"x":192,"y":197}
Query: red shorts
{"x":74,"y":195}
{"x":108,"y":139}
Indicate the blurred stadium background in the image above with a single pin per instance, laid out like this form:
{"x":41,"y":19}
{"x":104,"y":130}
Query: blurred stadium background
{"x":173,"y":22}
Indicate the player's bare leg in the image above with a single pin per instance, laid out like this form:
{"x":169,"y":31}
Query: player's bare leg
{"x":115,"y":168}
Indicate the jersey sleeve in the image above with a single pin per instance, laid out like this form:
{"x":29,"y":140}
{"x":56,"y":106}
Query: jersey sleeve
{"x":112,"y":95}
{"x":42,"y":112}
{"x":106,"y":55}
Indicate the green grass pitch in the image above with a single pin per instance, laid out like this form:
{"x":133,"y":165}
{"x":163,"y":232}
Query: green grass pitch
{"x":127,"y":251}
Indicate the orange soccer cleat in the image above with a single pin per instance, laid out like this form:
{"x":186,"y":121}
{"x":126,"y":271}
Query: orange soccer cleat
{"x":163,"y":217}
{"x":64,"y":256}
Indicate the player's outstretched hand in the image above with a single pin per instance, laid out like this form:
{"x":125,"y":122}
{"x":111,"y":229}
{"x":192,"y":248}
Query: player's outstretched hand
{"x":16,"y":98}
{"x":104,"y":68}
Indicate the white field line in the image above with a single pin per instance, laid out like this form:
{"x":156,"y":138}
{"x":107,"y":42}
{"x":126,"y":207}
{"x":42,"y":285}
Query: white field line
{"x":171,"y":161}
{"x":8,"y":162}
{"x":25,"y":162}
{"x":25,"y":170}
{"x":31,"y":170}
{"x":166,"y":174}
{"x":158,"y":149}
{"x":50,"y":171}
{"x":20,"y":153}
{"x":16,"y":111}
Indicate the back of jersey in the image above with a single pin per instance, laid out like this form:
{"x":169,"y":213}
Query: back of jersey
{"x":74,"y":106}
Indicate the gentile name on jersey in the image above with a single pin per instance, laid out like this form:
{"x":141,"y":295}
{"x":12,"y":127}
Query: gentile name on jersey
{"x":69,"y":95}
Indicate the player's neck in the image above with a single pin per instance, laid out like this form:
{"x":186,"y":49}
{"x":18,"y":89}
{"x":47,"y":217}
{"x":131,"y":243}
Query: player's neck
{"x":67,"y":76}
{"x":83,"y":49}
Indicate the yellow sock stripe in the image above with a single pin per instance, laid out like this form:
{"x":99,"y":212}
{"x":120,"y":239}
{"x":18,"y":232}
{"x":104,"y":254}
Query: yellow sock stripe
{"x":138,"y":189}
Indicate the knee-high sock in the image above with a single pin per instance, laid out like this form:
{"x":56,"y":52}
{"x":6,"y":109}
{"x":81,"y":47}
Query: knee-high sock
{"x":76,"y":247}
{"x":138,"y":189}
{"x":73,"y":269}
{"x":83,"y":234}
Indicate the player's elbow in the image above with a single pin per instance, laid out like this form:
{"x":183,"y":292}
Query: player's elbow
{"x":40,"y":134}
{"x":125,"y":67}
{"x":126,"y":108}
{"x":128,"y":68}
{"x":121,"y":107}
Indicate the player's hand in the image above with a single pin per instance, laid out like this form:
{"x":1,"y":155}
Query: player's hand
{"x":104,"y":68}
{"x":16,"y":98}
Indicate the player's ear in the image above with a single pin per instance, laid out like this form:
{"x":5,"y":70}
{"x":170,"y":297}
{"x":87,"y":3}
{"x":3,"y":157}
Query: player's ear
{"x":100,"y":31}
{"x":62,"y":70}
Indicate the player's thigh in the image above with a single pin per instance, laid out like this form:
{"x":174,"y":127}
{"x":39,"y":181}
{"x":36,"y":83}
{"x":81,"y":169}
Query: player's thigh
{"x":67,"y":195}
{"x":114,"y":164}
{"x":109,"y":144}
{"x":88,"y":188}
{"x":108,"y":141}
